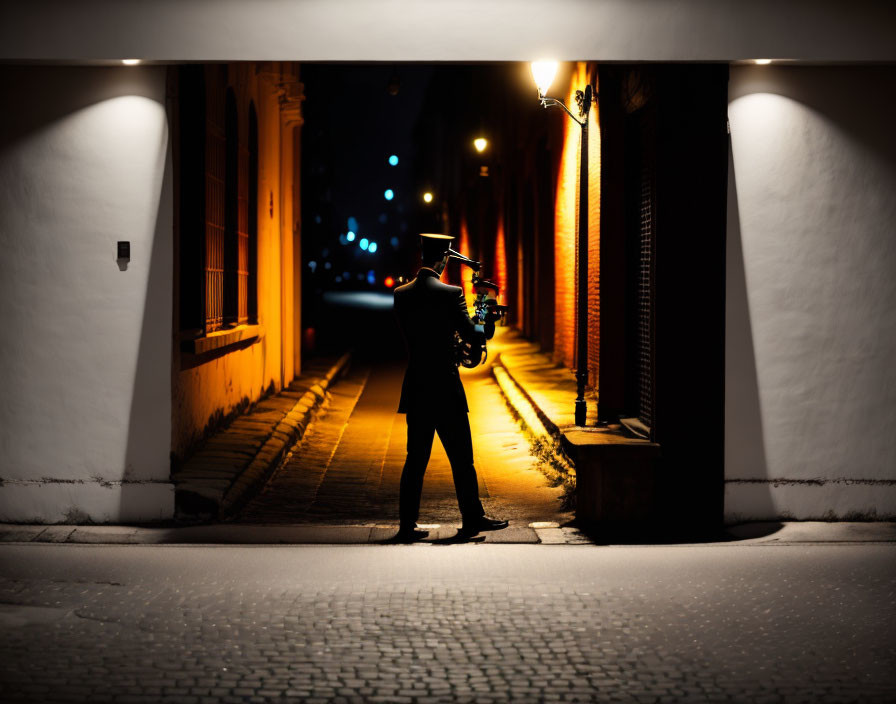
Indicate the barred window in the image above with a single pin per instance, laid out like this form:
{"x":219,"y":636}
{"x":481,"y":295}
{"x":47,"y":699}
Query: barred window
{"x":216,"y":196}
{"x":218,"y":204}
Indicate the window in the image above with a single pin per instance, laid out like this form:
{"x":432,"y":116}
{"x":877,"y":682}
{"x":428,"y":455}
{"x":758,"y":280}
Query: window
{"x":216,"y":209}
{"x":252,"y":230}
{"x":218,"y":204}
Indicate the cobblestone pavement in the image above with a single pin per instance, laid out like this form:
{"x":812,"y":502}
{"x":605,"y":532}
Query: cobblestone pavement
{"x":430,"y":623}
{"x":348,"y":466}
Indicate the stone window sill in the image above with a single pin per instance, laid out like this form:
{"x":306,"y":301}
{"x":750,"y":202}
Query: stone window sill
{"x":223,"y":341}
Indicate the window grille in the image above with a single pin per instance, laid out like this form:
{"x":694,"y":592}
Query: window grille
{"x":640,"y":257}
{"x":252,"y":255}
{"x":215,"y":198}
{"x":645,"y":286}
{"x":242,"y":268}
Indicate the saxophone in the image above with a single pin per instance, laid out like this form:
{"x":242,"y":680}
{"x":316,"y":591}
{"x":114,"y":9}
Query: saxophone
{"x":486,"y":311}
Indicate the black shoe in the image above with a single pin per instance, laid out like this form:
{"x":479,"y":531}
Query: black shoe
{"x":481,"y":524}
{"x":409,"y":535}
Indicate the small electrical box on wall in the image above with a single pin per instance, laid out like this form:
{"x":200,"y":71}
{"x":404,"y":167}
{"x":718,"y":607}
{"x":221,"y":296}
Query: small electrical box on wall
{"x":124,"y":251}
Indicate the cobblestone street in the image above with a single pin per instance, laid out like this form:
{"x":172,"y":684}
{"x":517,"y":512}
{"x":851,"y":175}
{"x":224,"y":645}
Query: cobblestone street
{"x":429,"y":623}
{"x":348,"y":466}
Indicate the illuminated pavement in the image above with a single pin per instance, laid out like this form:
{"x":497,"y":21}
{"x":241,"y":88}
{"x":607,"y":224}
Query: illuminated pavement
{"x":348,"y":466}
{"x":428,"y":623}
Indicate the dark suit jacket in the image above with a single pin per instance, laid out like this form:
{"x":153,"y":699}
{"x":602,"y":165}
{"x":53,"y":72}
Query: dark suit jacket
{"x":429,"y":313}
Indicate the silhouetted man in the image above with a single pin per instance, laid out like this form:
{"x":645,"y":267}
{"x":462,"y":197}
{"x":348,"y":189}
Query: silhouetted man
{"x":430,"y":313}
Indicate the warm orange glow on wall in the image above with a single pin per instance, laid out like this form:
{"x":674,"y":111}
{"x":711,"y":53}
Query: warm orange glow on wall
{"x":499,"y":271}
{"x":464,"y":248}
{"x":566,"y":226}
{"x":204,"y":390}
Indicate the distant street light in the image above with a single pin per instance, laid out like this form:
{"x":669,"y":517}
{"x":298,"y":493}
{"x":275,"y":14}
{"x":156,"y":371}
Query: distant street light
{"x":480,"y":143}
{"x":427,"y":197}
{"x":372,"y":247}
{"x":350,"y":236}
{"x":544,"y":72}
{"x":393,"y":160}
{"x":389,"y":194}
{"x":364,"y":243}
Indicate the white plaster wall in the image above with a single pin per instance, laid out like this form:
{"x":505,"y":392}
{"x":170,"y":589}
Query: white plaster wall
{"x":85,"y":360}
{"x":449,"y":30}
{"x":811,"y":341}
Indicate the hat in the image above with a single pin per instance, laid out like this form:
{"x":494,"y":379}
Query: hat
{"x":434,"y":246}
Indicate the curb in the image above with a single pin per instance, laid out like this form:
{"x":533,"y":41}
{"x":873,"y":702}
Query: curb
{"x":234,"y":535}
{"x":542,"y":432}
{"x":222,"y":489}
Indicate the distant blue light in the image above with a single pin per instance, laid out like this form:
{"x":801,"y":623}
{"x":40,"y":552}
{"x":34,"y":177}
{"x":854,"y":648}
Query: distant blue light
{"x":328,"y":266}
{"x":312,"y":265}
{"x":364,"y":243}
{"x":352,"y":224}
{"x":342,"y":239}
{"x":350,"y":236}
{"x":394,"y":242}
{"x":371,"y":277}
{"x":389,"y":194}
{"x":372,"y":247}
{"x":393,"y":160}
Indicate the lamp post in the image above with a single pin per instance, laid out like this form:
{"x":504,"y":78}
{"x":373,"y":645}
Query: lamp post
{"x":543,"y":72}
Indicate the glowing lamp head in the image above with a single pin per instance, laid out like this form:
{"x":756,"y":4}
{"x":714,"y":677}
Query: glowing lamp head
{"x":427,"y":197}
{"x":393,"y":160}
{"x":350,"y":236}
{"x":364,"y":243}
{"x":389,"y":194}
{"x":480,"y":143}
{"x":372,"y":247}
{"x":762,"y":62}
{"x":543,"y":72}
{"x":388,"y":282}
{"x":130,"y":62}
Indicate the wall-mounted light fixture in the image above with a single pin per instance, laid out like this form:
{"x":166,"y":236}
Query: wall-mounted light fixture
{"x":762,"y":62}
{"x":130,"y":62}
{"x":543,"y":72}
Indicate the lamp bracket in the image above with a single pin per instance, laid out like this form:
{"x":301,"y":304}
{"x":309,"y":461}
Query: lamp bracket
{"x":583,"y":100}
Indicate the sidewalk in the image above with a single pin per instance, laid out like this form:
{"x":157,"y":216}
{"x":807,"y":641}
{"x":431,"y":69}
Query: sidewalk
{"x":747,"y":534}
{"x":238,"y":458}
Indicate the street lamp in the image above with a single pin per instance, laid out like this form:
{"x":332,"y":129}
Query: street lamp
{"x":543,"y":73}
{"x":427,"y":197}
{"x":480,"y":143}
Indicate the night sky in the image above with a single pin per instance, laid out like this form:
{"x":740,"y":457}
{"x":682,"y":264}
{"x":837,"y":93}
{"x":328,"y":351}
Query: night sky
{"x":352,"y":126}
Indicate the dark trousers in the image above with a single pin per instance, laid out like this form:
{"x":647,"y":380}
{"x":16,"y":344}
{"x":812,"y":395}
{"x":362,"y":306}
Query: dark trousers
{"x":454,"y":432}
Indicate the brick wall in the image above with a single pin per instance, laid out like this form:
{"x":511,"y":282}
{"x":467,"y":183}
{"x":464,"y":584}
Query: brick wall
{"x":566,"y":226}
{"x":498,"y":272}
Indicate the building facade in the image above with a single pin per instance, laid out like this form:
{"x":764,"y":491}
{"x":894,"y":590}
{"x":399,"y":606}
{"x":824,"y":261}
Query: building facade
{"x":87,"y":161}
{"x":237,"y":240}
